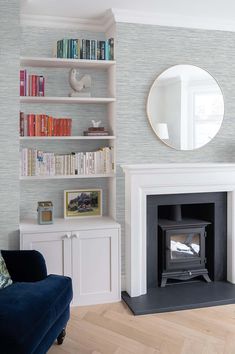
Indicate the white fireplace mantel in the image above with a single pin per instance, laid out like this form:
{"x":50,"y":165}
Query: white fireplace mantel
{"x":152,"y":179}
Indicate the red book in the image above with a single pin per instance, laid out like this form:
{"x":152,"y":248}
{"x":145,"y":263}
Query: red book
{"x":38,"y":125}
{"x":42,"y":125}
{"x":25,"y":82}
{"x":54,"y":127}
{"x":37,"y":85}
{"x":29,"y":85}
{"x":60,"y":127}
{"x":46,"y":125}
{"x":57,"y":127}
{"x":21,"y":123}
{"x":50,"y":126}
{"x":69,"y":126}
{"x":31,"y":124}
{"x":27,"y":117}
{"x":34,"y":85}
{"x":22,"y":82}
{"x":64,"y":127}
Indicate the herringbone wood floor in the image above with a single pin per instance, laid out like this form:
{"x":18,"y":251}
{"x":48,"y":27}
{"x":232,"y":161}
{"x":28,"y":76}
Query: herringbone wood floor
{"x":112,"y":329}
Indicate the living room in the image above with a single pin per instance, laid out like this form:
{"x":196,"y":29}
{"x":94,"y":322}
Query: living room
{"x":116,"y":150}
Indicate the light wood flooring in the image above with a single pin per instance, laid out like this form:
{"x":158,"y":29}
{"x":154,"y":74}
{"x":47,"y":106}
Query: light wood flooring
{"x":112,"y":329}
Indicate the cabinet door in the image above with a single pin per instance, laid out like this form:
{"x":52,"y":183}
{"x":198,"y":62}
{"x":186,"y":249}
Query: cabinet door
{"x":54,"y":246}
{"x":95,"y":266}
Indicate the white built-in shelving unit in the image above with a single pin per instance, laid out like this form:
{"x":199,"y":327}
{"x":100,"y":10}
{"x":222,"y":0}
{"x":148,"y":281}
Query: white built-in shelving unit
{"x":88,"y":250}
{"x":105,"y":65}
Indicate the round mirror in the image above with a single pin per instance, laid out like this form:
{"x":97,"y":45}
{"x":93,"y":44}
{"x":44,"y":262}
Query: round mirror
{"x":185,"y":107}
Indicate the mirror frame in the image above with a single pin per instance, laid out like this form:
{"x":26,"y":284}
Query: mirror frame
{"x":148,"y":113}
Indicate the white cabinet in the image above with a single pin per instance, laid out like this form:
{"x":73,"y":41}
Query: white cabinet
{"x":96,"y":265}
{"x":88,"y":251}
{"x":55,"y":247}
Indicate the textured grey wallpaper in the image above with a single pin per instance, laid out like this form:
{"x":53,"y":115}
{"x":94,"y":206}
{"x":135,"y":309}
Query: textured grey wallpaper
{"x":9,"y":108}
{"x":143,"y":52}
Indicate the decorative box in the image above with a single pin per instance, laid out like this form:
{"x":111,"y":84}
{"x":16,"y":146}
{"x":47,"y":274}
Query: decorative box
{"x":45,"y":213}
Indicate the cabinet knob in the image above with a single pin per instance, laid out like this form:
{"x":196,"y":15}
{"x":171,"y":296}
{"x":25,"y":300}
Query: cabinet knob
{"x":75,"y":235}
{"x":66,"y":236}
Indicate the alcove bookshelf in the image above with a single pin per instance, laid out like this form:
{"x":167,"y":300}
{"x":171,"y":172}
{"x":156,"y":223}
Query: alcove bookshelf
{"x":109,"y":66}
{"x":87,"y":249}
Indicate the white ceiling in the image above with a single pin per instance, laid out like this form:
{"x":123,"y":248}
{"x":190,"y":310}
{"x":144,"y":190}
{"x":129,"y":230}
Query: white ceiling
{"x":223,"y":10}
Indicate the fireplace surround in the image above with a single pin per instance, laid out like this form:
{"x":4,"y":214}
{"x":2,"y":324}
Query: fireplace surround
{"x":149,"y":181}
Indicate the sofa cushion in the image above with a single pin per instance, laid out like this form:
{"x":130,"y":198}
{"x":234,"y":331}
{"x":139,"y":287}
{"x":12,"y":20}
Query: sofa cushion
{"x":5,"y":279}
{"x":29,"y":310}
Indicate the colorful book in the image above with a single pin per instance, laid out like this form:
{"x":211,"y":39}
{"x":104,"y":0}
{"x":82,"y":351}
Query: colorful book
{"x":23,"y":82}
{"x":43,"y":125}
{"x":89,"y":49}
{"x":21,"y":124}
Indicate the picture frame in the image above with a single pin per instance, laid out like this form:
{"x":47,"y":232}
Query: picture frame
{"x":82,"y":203}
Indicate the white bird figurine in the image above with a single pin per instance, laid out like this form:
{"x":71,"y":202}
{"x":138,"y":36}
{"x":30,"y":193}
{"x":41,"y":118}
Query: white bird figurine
{"x":79,"y":87}
{"x":95,"y":124}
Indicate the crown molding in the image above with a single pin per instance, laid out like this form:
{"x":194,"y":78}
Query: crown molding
{"x":172,"y":20}
{"x":112,"y":16}
{"x":95,"y":25}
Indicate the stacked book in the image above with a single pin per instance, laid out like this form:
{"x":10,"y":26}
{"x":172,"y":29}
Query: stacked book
{"x":38,"y":163}
{"x":44,"y":125}
{"x":89,"y":49}
{"x":93,"y":131}
{"x":31,"y":85}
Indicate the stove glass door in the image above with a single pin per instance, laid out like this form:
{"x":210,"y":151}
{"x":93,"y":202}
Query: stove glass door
{"x":183,"y":246}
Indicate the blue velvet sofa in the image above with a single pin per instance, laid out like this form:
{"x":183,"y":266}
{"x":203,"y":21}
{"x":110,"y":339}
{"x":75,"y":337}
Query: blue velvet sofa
{"x":34,"y":310}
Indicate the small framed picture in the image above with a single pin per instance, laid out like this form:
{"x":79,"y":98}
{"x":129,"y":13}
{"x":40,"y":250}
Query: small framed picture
{"x":82,"y":203}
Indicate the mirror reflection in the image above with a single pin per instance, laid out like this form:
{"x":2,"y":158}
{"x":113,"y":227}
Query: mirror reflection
{"x":185,"y":107}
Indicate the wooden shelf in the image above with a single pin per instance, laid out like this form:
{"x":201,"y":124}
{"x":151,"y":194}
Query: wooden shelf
{"x":33,"y":178}
{"x":32,"y":99}
{"x":65,"y":63}
{"x":99,"y":137}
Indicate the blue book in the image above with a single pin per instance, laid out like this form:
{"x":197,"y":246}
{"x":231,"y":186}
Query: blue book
{"x":107,"y":49}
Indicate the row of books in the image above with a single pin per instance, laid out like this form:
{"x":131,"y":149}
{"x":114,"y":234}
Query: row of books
{"x":44,"y":125}
{"x":38,"y":163}
{"x":90,"y":49}
{"x":31,"y":85}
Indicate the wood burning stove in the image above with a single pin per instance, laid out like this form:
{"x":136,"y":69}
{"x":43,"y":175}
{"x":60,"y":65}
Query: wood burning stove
{"x":182,"y":245}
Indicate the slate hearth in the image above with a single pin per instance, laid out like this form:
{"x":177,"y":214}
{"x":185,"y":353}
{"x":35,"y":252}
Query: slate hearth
{"x":211,"y":207}
{"x":181,"y":297}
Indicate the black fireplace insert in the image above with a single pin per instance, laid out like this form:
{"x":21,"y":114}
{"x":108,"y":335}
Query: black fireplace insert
{"x":182,"y":245}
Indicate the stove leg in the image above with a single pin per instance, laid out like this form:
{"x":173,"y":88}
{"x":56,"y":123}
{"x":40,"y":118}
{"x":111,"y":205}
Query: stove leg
{"x":206,"y":277}
{"x":163,"y":282}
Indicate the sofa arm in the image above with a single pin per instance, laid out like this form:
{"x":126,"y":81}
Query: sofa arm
{"x":25,"y":266}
